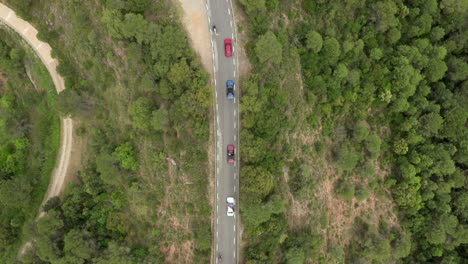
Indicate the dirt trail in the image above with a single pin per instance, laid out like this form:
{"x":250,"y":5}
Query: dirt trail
{"x":43,"y":50}
{"x":195,"y":20}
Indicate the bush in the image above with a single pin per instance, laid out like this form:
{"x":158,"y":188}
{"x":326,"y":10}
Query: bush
{"x":345,"y":190}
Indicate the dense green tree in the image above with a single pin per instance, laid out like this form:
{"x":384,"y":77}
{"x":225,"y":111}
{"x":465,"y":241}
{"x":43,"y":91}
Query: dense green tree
{"x":314,"y":41}
{"x":140,"y":112}
{"x":125,"y":153}
{"x":268,"y":48}
{"x":257,"y":182}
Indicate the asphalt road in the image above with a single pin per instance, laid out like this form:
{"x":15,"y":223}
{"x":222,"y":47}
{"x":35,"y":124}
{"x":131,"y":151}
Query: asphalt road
{"x":227,"y":131}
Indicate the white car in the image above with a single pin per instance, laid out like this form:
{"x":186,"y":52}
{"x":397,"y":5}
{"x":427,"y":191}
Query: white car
{"x":230,"y":206}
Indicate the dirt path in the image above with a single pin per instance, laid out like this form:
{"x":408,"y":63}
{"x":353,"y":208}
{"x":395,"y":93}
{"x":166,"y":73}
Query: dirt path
{"x":195,"y":20}
{"x":43,"y":50}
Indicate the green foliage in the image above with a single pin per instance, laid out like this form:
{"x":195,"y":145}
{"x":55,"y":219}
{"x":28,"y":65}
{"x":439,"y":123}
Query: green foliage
{"x":346,"y":157}
{"x":314,"y":41}
{"x":345,"y":190}
{"x":140,"y":112}
{"x":125,"y":153}
{"x":269,"y":49}
{"x":257,"y":182}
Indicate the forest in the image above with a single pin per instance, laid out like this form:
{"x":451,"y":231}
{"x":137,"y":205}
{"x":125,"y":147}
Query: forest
{"x":362,"y":158}
{"x":29,"y":139}
{"x":138,"y":94}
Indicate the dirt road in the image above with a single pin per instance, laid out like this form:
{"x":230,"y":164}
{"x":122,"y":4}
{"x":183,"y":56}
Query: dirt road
{"x":195,"y":21}
{"x":43,"y":50}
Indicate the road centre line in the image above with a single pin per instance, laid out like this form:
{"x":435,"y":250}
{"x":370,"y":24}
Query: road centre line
{"x":235,"y":125}
{"x":235,"y":112}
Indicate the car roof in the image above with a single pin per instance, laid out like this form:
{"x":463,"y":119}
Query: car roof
{"x":230,"y":82}
{"x":228,"y":40}
{"x":230,"y":200}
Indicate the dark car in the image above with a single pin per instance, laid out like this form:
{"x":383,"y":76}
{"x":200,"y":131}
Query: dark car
{"x":228,"y":47}
{"x":230,"y":89}
{"x":231,"y":154}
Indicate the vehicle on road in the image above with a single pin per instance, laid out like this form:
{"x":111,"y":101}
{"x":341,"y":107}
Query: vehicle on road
{"x":230,"y":89}
{"x":231,"y":153}
{"x":231,"y":203}
{"x":228,"y":47}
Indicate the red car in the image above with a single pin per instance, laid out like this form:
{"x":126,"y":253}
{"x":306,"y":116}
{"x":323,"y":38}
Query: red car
{"x":231,"y":154}
{"x":228,"y":47}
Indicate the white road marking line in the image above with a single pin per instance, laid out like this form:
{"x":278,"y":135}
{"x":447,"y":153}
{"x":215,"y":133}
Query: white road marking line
{"x":209,"y":20}
{"x":234,"y":74}
{"x":217,"y":170}
{"x":232,"y":36}
{"x":235,"y":125}
{"x":235,"y":112}
{"x":229,"y":11}
{"x":217,"y":223}
{"x":235,"y":175}
{"x":216,"y":247}
{"x":234,"y":228}
{"x":235,"y":100}
{"x":234,"y":61}
{"x":234,"y":188}
{"x":230,"y":23}
{"x":216,"y":233}
{"x":217,"y":119}
{"x":217,"y":196}
{"x":235,"y":137}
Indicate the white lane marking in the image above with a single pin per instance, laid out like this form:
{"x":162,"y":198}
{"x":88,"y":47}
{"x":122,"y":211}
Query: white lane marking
{"x":235,"y":175}
{"x":216,"y":233}
{"x":234,"y":228}
{"x":215,"y":82}
{"x":217,"y":183}
{"x":209,"y":20}
{"x":235,"y":125}
{"x":235,"y":112}
{"x":217,"y":196}
{"x":232,"y":36}
{"x":235,"y":100}
{"x":235,"y":137}
{"x":216,"y":247}
{"x":234,"y":61}
{"x":230,"y":22}
{"x":217,"y":170}
{"x":217,"y":119}
{"x":234,"y":188}
{"x":217,"y":223}
{"x":229,"y":11}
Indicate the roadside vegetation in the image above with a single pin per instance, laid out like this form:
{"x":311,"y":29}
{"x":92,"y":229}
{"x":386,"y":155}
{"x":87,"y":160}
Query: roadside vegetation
{"x":354,"y":141}
{"x":143,"y":100}
{"x":29,"y":139}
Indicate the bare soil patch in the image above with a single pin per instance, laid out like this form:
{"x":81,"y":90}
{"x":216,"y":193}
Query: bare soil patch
{"x":195,"y":21}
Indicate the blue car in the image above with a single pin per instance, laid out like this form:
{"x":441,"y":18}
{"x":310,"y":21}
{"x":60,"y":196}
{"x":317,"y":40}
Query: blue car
{"x":230,"y":89}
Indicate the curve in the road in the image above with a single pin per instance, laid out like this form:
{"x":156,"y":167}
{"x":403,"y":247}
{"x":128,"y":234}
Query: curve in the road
{"x":43,"y":51}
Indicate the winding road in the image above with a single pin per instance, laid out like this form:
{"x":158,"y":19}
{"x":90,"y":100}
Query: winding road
{"x":43,"y":51}
{"x":226,"y":238}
